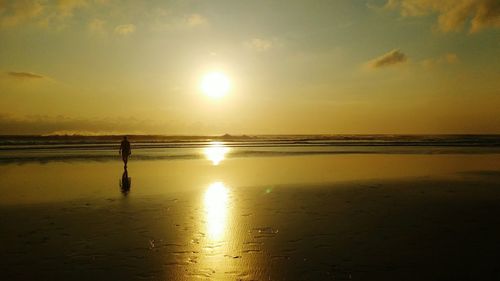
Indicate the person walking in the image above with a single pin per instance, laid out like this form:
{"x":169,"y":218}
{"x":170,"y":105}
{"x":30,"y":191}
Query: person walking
{"x":125,"y":150}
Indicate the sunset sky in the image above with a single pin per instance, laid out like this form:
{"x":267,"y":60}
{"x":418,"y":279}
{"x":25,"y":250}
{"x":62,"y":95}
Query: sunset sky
{"x":294,"y":66}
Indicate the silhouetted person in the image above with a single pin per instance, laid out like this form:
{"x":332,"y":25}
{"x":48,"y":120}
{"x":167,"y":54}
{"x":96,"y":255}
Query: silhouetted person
{"x":125,"y":182}
{"x":125,"y":150}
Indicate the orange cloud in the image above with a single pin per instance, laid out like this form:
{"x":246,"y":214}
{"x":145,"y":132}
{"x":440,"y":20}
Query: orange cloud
{"x":39,"y":12}
{"x":13,"y":13}
{"x":449,"y":58}
{"x":388,"y":59}
{"x":66,"y":7}
{"x":97,"y":26}
{"x":453,"y":14}
{"x":195,"y":20}
{"x":25,"y":75}
{"x":125,"y":29}
{"x":260,"y":45}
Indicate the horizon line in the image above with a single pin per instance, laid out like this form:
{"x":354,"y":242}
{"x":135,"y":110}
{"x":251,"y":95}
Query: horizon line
{"x":248,"y":135}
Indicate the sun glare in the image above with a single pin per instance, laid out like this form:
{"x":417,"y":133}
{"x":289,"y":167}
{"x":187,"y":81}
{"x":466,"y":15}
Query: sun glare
{"x":216,"y":203}
{"x":216,"y":152}
{"x":215,"y":84}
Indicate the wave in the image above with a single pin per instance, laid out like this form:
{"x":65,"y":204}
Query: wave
{"x":25,"y":149}
{"x":147,"y":142}
{"x":197,"y":152}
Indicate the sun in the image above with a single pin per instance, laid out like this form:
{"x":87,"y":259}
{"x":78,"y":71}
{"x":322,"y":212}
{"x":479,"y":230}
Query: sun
{"x":215,"y":84}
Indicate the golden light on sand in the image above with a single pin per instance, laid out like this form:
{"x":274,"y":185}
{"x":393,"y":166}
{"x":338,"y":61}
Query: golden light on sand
{"x":215,"y":84}
{"x":216,"y":203}
{"x":216,"y":152}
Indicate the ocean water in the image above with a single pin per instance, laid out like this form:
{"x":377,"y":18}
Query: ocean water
{"x":21,"y":149}
{"x":45,"y":169}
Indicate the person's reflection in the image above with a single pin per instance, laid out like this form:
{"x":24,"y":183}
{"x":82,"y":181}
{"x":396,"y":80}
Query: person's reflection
{"x":125,"y":182}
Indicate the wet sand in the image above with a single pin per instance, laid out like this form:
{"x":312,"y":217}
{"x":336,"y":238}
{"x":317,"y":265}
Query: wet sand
{"x":418,"y":226}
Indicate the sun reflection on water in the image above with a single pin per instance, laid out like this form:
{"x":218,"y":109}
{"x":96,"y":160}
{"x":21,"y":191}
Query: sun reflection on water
{"x":216,"y":152}
{"x":216,"y":204}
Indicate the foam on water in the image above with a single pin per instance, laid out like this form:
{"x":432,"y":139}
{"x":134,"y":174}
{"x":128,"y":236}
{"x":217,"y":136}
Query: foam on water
{"x":78,"y":148}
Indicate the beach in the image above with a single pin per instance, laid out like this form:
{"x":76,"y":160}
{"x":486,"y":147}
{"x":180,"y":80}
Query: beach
{"x":249,"y":140}
{"x":423,"y":214}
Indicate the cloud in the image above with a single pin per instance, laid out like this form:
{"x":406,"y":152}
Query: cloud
{"x":260,"y":45}
{"x":125,"y":29}
{"x":24,"y":75}
{"x":388,"y":59}
{"x":40,"y":12}
{"x":43,"y":125}
{"x":13,"y":13}
{"x":66,"y":7}
{"x":452,"y":14}
{"x":164,"y":20}
{"x":60,"y":14}
{"x":97,"y":26}
{"x":449,"y":58}
{"x":196,"y":20}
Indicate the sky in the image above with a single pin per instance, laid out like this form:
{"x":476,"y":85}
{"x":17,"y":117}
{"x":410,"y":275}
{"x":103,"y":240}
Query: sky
{"x":294,"y":66}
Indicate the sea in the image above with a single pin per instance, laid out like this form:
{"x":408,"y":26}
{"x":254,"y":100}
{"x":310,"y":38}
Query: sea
{"x":25,"y":149}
